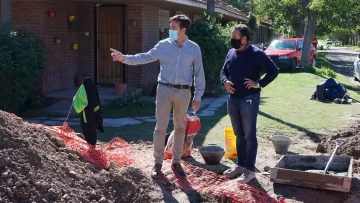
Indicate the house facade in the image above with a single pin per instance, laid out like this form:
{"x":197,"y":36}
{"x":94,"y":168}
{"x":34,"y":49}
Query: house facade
{"x":78,"y":35}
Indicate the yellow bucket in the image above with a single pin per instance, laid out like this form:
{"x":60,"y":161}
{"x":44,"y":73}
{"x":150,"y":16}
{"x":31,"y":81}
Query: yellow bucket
{"x":230,"y":144}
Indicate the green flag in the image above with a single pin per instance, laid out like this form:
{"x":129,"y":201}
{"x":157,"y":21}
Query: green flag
{"x":80,"y":99}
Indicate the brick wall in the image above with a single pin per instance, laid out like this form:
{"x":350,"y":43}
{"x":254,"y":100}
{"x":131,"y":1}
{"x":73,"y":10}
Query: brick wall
{"x":141,"y":38}
{"x":62,"y":62}
{"x":29,"y":15}
{"x":86,"y":42}
{"x":150,"y":37}
{"x":134,"y":43}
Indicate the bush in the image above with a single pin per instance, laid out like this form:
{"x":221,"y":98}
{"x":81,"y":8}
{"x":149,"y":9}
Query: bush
{"x":21,"y":66}
{"x":322,"y":52}
{"x":214,"y":41}
{"x":130,"y":99}
{"x":358,"y":43}
{"x":322,"y":71}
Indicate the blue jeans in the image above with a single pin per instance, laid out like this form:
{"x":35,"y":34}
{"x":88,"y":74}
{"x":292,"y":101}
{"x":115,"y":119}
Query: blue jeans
{"x":243,"y":114}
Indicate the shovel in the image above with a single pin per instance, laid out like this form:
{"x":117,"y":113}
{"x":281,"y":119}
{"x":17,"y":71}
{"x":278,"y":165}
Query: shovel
{"x":338,"y":142}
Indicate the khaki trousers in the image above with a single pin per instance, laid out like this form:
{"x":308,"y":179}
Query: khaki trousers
{"x":178,"y":100}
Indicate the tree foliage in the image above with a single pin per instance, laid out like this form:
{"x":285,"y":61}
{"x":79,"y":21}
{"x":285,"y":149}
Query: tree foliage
{"x":214,"y":41}
{"x":319,"y":16}
{"x":244,"y":6}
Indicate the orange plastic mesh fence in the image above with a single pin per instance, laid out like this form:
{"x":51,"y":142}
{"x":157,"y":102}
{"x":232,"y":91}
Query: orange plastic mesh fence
{"x":198,"y":179}
{"x":116,"y":150}
{"x":209,"y":184}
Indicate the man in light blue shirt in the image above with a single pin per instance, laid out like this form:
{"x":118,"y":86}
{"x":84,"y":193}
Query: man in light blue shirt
{"x":180,"y":61}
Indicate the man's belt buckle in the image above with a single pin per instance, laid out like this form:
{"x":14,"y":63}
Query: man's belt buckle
{"x":171,"y":85}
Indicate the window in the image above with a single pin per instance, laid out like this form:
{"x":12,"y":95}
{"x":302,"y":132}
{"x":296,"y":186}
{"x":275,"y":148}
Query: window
{"x":299,"y":44}
{"x":164,"y":19}
{"x":282,"y":45}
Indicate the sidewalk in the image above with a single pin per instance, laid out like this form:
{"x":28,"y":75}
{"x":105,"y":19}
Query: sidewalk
{"x":208,"y":105}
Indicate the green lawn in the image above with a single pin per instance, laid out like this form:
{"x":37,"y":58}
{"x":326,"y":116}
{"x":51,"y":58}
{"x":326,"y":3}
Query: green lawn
{"x":285,"y":108}
{"x":355,"y":48}
{"x":321,"y":41}
{"x":321,"y":61}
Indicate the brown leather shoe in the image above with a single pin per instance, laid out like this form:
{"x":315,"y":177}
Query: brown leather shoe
{"x":156,"y":171}
{"x":176,"y":167}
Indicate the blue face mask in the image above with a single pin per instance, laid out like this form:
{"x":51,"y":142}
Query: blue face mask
{"x":173,"y":34}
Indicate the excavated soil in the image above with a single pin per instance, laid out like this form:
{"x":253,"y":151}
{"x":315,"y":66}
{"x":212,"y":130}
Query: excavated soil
{"x":35,"y":166}
{"x":350,"y":146}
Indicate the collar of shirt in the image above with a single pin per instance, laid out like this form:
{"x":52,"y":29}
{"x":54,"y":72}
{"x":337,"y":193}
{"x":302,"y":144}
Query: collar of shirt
{"x":183,"y":43}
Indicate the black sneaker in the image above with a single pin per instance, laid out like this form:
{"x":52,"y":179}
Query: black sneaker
{"x":176,"y":167}
{"x":156,"y":171}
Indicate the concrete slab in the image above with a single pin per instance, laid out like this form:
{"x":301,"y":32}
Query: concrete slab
{"x":206,"y":113}
{"x":59,"y":109}
{"x":73,"y":123}
{"x":59,"y":119}
{"x":150,"y":120}
{"x":34,"y":121}
{"x":52,"y":123}
{"x":144,"y":117}
{"x":106,"y":94}
{"x":42,"y":118}
{"x":120,"y":121}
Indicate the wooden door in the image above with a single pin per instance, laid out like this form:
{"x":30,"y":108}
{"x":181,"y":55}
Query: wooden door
{"x":110,"y":34}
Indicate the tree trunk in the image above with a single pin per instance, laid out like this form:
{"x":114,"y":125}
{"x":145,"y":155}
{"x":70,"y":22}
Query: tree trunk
{"x":299,"y":30}
{"x":6,"y":11}
{"x":211,"y":10}
{"x":308,"y":36}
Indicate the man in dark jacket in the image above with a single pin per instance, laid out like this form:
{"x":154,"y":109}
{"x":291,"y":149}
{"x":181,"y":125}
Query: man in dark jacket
{"x":240,"y":76}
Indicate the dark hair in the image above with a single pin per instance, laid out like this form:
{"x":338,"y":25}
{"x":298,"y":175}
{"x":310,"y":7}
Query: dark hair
{"x":244,"y":31}
{"x":184,"y":21}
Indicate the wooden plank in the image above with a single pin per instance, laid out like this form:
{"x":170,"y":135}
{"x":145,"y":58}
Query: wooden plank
{"x":286,"y":174}
{"x":273,"y":173}
{"x":313,"y":180}
{"x":347,"y":183}
{"x":312,"y":184}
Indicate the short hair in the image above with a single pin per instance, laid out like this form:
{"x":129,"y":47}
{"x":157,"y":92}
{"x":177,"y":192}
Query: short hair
{"x":184,"y":21}
{"x":244,"y":31}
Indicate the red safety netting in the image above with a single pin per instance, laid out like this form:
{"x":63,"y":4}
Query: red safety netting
{"x":117,"y":150}
{"x":198,"y":179}
{"x":209,"y":184}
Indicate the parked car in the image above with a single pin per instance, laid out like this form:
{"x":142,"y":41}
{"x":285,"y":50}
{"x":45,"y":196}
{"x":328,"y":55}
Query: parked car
{"x":286,"y":53}
{"x":332,"y":41}
{"x":357,"y":68}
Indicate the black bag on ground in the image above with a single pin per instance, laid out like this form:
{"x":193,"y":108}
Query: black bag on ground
{"x":330,"y":89}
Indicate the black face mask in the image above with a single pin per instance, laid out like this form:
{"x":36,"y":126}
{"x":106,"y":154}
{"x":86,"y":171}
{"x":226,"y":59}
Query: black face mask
{"x":236,"y":43}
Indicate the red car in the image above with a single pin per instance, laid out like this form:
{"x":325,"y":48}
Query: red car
{"x":286,"y":53}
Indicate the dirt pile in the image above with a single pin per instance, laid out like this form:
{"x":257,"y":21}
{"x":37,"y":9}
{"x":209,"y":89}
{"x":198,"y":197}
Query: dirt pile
{"x":36,"y":166}
{"x":350,"y":146}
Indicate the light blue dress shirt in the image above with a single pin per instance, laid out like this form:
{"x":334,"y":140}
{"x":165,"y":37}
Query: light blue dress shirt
{"x":178,"y":64}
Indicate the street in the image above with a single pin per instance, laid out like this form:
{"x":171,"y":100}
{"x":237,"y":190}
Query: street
{"x":343,"y":60}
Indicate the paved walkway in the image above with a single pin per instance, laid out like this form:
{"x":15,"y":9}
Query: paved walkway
{"x":208,"y":108}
